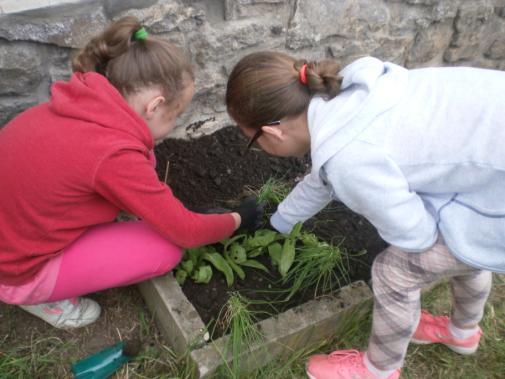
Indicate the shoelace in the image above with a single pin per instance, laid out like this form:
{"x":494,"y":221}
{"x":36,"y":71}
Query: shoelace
{"x":439,"y":325}
{"x":437,"y":320}
{"x":352,"y":356}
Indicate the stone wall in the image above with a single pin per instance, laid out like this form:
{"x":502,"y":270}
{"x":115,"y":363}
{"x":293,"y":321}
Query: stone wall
{"x":36,"y":45}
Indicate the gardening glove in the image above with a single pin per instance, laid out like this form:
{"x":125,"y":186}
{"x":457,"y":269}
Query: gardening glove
{"x":251,"y":212}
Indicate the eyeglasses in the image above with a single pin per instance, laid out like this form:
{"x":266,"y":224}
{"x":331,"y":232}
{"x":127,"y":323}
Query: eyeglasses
{"x":259,"y":132}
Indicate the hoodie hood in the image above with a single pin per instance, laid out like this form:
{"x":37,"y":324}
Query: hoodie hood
{"x":369,"y":88}
{"x":91,"y":98}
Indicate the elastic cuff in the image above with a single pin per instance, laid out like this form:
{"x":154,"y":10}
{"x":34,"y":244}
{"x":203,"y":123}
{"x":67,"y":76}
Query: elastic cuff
{"x":280,"y":224}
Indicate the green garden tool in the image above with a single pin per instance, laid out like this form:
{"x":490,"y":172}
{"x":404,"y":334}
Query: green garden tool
{"x":103,"y":364}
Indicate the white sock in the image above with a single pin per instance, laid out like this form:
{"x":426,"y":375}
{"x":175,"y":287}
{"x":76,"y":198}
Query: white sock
{"x":383,"y":374}
{"x":462,"y":333}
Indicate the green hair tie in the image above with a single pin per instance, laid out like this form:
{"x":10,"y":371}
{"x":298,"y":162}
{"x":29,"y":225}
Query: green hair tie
{"x":140,"y":35}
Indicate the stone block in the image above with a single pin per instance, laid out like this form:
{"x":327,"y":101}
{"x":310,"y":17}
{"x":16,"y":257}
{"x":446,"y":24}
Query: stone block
{"x":168,"y":17}
{"x":240,"y":9}
{"x":497,"y":49}
{"x":317,"y":21}
{"x":114,"y":7}
{"x":20,"y":69}
{"x":298,"y":327}
{"x":430,"y":42}
{"x":176,"y":316}
{"x":66,"y":26}
{"x":470,"y":29}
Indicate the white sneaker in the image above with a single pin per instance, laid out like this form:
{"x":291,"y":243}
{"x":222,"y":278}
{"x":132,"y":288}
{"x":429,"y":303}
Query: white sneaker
{"x":66,"y":314}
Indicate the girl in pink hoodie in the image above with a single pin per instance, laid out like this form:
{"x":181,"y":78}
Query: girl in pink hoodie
{"x":69,"y":165}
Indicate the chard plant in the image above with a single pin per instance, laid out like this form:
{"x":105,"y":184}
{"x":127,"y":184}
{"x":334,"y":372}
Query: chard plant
{"x":300,"y":257}
{"x":302,"y":260}
{"x":235,"y":254}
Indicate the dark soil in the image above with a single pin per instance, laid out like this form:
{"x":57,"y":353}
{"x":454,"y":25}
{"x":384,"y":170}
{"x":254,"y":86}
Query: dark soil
{"x":217,"y":171}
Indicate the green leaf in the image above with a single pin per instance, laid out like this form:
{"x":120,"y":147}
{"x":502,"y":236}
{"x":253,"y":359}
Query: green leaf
{"x":275,"y":252}
{"x":310,"y":240}
{"x":181,"y":276}
{"x":188,"y":266}
{"x":287,"y":257}
{"x":203,"y":274}
{"x":262,"y":238}
{"x":227,"y":242}
{"x":221,"y":264}
{"x":255,"y":264}
{"x":234,"y":266}
{"x":295,"y":232}
{"x":195,"y":254}
{"x":238,"y":253}
{"x":256,"y":252}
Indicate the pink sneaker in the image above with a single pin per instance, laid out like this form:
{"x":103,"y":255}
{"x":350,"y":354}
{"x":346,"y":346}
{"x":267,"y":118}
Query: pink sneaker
{"x":435,"y":329}
{"x":341,"y":364}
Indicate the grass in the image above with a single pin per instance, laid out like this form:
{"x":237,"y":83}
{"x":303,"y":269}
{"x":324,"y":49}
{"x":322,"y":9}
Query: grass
{"x":42,"y":355}
{"x":438,"y":362}
{"x":240,"y":322}
{"x":32,"y":360}
{"x":319,"y":265}
{"x":272,"y":192}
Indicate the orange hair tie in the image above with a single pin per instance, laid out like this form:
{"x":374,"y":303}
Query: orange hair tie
{"x":303,"y":74}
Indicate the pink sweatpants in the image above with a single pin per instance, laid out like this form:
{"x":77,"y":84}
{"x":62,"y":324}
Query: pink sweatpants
{"x":113,"y":255}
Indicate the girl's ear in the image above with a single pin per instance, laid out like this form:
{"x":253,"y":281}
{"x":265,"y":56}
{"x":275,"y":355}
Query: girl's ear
{"x":153,"y":105}
{"x":275,"y":132}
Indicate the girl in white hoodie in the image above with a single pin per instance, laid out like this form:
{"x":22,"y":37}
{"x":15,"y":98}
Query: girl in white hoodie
{"x":419,"y":153}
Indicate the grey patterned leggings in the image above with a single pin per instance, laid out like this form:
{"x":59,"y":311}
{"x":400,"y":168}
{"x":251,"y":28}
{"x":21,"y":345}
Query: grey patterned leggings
{"x":397,"y":279}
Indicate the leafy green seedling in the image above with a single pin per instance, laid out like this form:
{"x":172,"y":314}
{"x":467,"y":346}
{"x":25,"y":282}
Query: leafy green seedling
{"x":221,"y":264}
{"x":181,"y":276}
{"x":238,"y":253}
{"x":188,"y":266}
{"x":289,"y":249}
{"x":203,"y":274}
{"x":262,"y":238}
{"x":238,"y":270}
{"x":275,"y":252}
{"x":255,"y":264}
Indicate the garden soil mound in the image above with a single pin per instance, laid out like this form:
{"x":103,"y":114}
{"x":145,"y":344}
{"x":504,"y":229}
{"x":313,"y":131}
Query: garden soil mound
{"x":217,"y":171}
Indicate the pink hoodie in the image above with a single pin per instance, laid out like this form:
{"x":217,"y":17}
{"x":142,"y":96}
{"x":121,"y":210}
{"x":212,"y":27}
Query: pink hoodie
{"x":74,"y":162}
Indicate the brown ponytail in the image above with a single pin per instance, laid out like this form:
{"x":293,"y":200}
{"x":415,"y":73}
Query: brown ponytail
{"x":131,"y":64}
{"x":265,"y":86}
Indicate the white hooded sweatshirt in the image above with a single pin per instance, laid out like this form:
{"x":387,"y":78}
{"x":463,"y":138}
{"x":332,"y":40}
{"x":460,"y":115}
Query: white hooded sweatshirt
{"x":417,"y":153}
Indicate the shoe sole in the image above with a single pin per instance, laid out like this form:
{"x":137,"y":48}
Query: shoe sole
{"x":456,"y":349}
{"x":310,"y":376}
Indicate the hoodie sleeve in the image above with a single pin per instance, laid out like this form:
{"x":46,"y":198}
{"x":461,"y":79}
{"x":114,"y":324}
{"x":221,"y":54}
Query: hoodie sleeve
{"x":127,"y":179}
{"x":304,"y":201}
{"x":371,"y":184}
